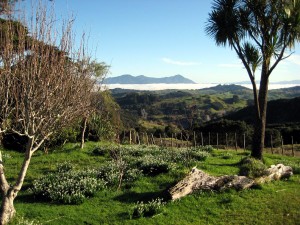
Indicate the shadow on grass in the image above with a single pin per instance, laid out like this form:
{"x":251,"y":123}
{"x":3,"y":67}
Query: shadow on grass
{"x":31,"y":198}
{"x":226,"y":164}
{"x":133,"y":197}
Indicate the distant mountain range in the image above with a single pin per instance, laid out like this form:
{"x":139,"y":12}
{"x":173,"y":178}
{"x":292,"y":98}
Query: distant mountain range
{"x":129,"y":79}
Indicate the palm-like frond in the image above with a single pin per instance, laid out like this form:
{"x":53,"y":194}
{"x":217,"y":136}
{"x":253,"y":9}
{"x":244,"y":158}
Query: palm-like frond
{"x":224,"y":22}
{"x":252,"y":56}
{"x":292,"y":22}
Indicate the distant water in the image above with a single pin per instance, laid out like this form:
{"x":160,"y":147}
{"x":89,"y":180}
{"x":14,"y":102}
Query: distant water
{"x":156,"y":87}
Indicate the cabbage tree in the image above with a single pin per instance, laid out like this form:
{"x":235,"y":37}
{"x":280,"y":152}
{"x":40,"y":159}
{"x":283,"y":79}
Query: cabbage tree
{"x":262,"y":33}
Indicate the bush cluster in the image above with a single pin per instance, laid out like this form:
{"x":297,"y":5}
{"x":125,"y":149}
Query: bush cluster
{"x":67,"y":185}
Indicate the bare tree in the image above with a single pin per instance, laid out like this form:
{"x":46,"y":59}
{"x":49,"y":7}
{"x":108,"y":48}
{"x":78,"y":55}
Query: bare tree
{"x":42,"y":89}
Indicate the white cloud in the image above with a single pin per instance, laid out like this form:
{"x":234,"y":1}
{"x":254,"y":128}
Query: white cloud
{"x":155,"y":87}
{"x":179,"y":63}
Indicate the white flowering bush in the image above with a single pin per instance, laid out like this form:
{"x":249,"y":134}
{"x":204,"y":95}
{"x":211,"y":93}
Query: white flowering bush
{"x":68,"y":186}
{"x":141,"y":209}
{"x":187,"y":156}
{"x":20,"y":220}
{"x":199,"y":154}
{"x":207,"y":148}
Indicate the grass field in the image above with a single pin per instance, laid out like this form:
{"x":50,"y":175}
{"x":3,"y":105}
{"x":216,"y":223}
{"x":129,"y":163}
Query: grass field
{"x":273,"y":203}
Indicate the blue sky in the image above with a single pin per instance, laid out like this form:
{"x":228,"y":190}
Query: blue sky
{"x":160,"y":38}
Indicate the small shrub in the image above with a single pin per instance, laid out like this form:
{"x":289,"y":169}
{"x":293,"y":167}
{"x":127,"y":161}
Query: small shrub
{"x":252,"y":168}
{"x":6,"y":156}
{"x":207,"y":148}
{"x":20,"y":220}
{"x":296,"y":168}
{"x":198,"y":154}
{"x":227,"y":155}
{"x":64,"y":167}
{"x":187,"y":156}
{"x":149,"y":209}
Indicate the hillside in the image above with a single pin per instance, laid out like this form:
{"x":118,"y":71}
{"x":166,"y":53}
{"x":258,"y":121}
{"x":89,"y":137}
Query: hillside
{"x":129,"y":79}
{"x":152,"y":110}
{"x":278,"y":111}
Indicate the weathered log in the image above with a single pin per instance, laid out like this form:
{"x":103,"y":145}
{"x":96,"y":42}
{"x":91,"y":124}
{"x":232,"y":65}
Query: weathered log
{"x":199,"y":180}
{"x":276,"y":172}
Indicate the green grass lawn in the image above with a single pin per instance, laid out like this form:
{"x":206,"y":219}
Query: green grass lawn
{"x":274,"y":203}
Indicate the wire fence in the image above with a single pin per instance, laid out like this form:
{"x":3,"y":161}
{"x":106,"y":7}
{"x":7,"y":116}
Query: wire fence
{"x":230,"y":140}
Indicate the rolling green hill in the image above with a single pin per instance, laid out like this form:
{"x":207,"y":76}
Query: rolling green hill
{"x":186,"y":109}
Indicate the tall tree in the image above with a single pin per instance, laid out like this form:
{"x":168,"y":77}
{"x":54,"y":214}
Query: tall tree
{"x":262,"y":33}
{"x":6,"y":6}
{"x":42,"y":88}
{"x":99,"y":71}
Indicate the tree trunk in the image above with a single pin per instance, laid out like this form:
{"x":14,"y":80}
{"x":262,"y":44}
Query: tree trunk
{"x":260,"y":120}
{"x":7,"y":207}
{"x":83,"y":132}
{"x":9,"y":193}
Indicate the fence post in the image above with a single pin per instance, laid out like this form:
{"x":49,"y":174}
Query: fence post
{"x":293,"y":146}
{"x":124,"y":135}
{"x":244,"y":142}
{"x":202,"y":141}
{"x":138,"y":138}
{"x":235,"y":140}
{"x":195,"y":143}
{"x":272,"y":144}
{"x":226,"y":137}
{"x":217,"y":140}
{"x":147,"y":138}
{"x":134,"y":137}
{"x":153,"y":141}
{"x":281,"y":144}
{"x":181,"y":140}
{"x":161,"y":142}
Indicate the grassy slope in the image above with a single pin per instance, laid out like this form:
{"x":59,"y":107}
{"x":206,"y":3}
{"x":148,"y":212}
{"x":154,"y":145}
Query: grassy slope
{"x":214,"y":101}
{"x":276,"y":203}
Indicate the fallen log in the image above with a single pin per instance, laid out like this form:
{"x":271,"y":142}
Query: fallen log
{"x":276,"y":172}
{"x":199,"y":180}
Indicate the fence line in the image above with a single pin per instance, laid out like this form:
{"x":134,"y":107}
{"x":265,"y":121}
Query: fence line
{"x":224,"y":140}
